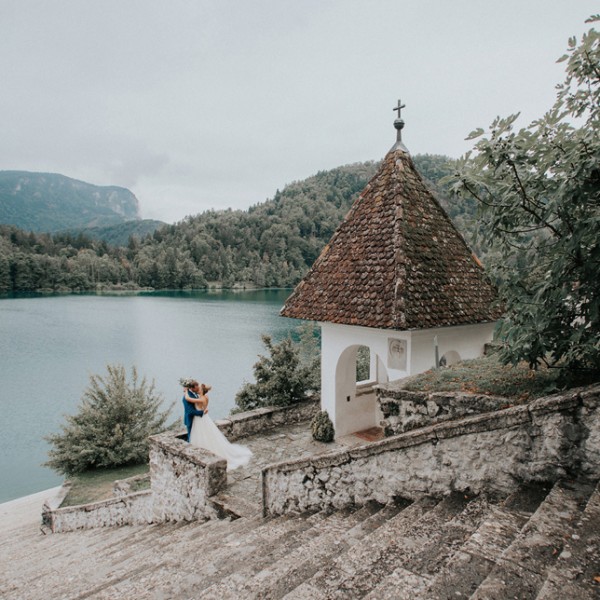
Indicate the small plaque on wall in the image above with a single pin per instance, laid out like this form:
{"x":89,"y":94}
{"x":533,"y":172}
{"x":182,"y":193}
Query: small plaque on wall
{"x":396,"y":354}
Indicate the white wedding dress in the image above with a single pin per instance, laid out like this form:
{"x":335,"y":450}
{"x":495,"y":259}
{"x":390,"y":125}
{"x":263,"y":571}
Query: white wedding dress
{"x":207,"y":435}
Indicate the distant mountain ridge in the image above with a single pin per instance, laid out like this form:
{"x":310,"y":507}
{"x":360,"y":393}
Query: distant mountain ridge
{"x":49,"y":202}
{"x":271,"y":244}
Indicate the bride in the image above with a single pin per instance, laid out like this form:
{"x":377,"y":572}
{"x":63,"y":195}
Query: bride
{"x":207,"y":435}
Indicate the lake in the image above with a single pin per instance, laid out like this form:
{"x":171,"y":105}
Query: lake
{"x":50,"y":345}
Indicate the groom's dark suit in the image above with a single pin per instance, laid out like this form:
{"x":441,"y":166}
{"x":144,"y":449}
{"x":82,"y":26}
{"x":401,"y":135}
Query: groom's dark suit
{"x":189,"y":412}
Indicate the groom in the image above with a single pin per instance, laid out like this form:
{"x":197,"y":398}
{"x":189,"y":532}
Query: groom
{"x":190,"y":411}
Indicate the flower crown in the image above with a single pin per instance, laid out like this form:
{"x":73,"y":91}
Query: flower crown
{"x":187,"y":382}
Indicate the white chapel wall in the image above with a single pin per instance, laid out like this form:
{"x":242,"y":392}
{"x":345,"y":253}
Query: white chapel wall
{"x":467,"y":341}
{"x":339,"y":344}
{"x":394,"y":355}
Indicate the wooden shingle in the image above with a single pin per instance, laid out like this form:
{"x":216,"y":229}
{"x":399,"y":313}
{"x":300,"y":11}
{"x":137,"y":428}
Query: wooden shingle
{"x":395,"y":262}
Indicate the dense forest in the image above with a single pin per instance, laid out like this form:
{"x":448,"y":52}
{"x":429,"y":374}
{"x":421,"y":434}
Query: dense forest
{"x":271,"y":244}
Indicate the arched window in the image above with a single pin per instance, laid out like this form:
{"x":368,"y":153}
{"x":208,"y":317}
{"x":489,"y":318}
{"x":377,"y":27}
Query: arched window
{"x":450,"y":358}
{"x":363,"y":364}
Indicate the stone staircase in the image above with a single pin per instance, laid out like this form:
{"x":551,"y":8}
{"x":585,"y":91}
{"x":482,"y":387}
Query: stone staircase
{"x":542,"y":542}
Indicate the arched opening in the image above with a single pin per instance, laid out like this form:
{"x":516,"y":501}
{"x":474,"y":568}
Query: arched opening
{"x":450,"y":358}
{"x":358,"y":369}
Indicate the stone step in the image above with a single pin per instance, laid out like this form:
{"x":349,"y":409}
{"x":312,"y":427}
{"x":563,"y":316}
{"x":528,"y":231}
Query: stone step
{"x":335,"y":578}
{"x":234,"y":506}
{"x":193,"y":566}
{"x":334,"y":523}
{"x":471,"y":563}
{"x":322,"y":545}
{"x":60,"y":552}
{"x":91,"y":571}
{"x":220,"y":532}
{"x":91,"y":565}
{"x":520,"y":572}
{"x":576,"y":573}
{"x":187,"y":544}
{"x":409,"y":570}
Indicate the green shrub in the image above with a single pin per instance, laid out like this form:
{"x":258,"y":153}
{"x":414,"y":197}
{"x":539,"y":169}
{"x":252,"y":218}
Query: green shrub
{"x":322,"y":427}
{"x":281,"y":378}
{"x":112,"y":426}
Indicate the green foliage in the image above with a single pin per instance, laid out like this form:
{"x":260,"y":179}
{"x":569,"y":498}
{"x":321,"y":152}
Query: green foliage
{"x":487,"y":375}
{"x":281,"y":378}
{"x":112,"y":426}
{"x":322,"y":427}
{"x":121,"y":234}
{"x":538,"y":190}
{"x":52,"y":202}
{"x":272,"y":244}
{"x":363,"y":363}
{"x":309,"y":352}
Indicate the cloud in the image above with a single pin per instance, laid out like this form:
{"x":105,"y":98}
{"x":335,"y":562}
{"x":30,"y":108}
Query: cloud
{"x":197,"y":105}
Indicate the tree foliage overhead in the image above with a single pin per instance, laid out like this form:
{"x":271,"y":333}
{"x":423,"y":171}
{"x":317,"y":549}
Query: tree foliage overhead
{"x":538,"y":191}
{"x":112,"y":426}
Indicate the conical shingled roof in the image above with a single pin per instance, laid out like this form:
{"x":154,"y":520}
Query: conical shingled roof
{"x":395,"y":262}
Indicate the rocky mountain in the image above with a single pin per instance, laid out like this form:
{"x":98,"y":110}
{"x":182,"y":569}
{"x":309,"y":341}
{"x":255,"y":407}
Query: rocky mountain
{"x":48,"y":202}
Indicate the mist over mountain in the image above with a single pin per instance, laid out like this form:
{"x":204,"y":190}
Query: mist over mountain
{"x":48,"y":202}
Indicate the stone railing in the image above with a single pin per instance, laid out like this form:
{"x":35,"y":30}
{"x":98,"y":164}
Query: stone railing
{"x":123,"y":487}
{"x":183,"y":478}
{"x":544,"y":440}
{"x":252,"y":422}
{"x":404,"y":411}
{"x":132,"y":509}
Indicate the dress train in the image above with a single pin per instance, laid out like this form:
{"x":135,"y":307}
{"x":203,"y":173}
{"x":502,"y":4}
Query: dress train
{"x":207,"y":435}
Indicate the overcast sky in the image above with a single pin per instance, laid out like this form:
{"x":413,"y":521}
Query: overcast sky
{"x":198,"y":104}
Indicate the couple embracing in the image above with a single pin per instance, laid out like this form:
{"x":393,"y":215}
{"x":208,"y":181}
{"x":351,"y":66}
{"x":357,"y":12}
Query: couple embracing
{"x":201,"y":429}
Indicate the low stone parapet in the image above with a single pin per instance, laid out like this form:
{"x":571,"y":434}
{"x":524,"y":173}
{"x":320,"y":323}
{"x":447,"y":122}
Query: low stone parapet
{"x":183,"y":478}
{"x":123,"y":487}
{"x":255,"y":421}
{"x":545,"y":440}
{"x":132,"y":509}
{"x":404,"y":410}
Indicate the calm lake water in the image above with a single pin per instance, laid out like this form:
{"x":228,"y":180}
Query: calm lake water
{"x":50,"y":345}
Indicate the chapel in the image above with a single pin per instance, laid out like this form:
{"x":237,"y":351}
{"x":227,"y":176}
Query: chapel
{"x":396,"y":278}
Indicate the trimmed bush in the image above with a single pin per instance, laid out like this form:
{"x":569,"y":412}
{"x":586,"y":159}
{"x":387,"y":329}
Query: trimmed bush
{"x":322,"y":427}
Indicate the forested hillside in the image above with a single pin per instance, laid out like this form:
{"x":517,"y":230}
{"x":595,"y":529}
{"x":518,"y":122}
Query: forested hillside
{"x":50,"y":202}
{"x":269,"y":245}
{"x":118,"y":235}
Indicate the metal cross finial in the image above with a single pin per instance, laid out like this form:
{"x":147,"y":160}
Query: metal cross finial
{"x":399,"y":108}
{"x":399,"y":123}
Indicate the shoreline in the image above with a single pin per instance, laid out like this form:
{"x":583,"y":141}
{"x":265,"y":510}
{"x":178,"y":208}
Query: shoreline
{"x":26,"y":510}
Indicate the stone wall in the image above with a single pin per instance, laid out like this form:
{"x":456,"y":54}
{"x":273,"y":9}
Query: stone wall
{"x":544,"y":440}
{"x":183,"y":478}
{"x":252,"y":422}
{"x":133,"y":509}
{"x":404,"y":410}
